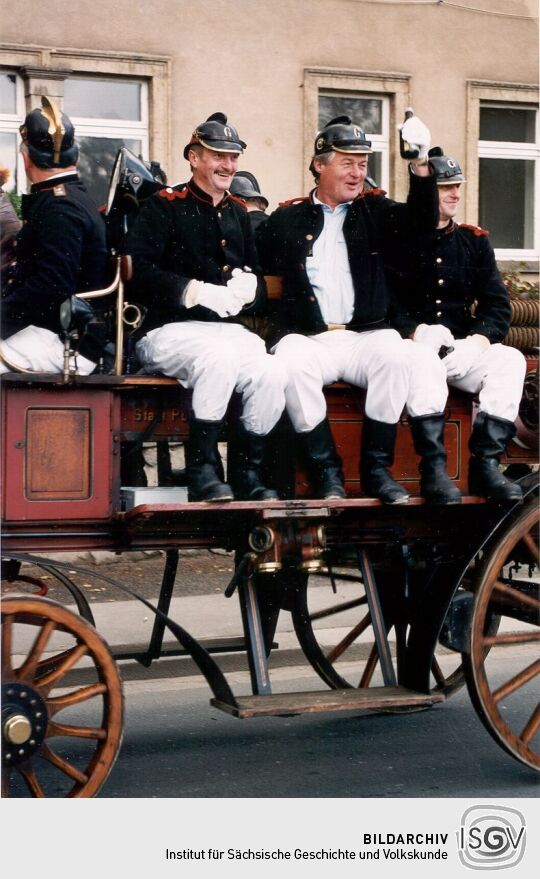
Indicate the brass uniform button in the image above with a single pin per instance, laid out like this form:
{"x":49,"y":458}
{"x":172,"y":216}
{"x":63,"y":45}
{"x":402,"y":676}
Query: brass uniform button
{"x":223,"y":242}
{"x":226,"y":268}
{"x":438,"y":260}
{"x":309,"y":237}
{"x":440,"y":282}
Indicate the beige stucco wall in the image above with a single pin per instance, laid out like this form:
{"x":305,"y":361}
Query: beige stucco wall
{"x":248,"y":57}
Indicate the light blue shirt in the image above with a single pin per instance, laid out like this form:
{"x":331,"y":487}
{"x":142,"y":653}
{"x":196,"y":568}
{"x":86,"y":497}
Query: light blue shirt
{"x":328,"y":268}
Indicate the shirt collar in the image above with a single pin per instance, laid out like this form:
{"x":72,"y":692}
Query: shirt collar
{"x":203,"y":196}
{"x":342,"y":206}
{"x":50,"y":182}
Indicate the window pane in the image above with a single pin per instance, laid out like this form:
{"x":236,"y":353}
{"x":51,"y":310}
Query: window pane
{"x":366,"y":112}
{"x":506,"y":202}
{"x":375,"y":167}
{"x":102,"y":99}
{"x":507,"y":124}
{"x":97,"y":155}
{"x":8,"y":93}
{"x":8,"y":158}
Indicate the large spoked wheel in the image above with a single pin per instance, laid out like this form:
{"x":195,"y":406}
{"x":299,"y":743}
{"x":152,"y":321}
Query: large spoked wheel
{"x":62,"y":704}
{"x":506,"y":700}
{"x":336,"y":634}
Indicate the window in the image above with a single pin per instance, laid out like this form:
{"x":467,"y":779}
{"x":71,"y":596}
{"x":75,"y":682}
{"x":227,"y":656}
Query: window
{"x":372,"y":114}
{"x":11,"y":117}
{"x":107,"y":114}
{"x":503,"y":169}
{"x":376,"y":101}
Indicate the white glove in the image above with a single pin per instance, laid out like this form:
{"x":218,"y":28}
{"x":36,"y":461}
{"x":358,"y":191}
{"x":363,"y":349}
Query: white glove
{"x":466,"y":352}
{"x":218,"y":298}
{"x":434,"y":335}
{"x":243,"y":284}
{"x":417,"y":135}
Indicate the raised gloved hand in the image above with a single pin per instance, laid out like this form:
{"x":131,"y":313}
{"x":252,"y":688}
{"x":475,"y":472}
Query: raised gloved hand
{"x":220,"y":299}
{"x":465,"y":353}
{"x":243,"y":284}
{"x":417,"y":135}
{"x":435,"y":336}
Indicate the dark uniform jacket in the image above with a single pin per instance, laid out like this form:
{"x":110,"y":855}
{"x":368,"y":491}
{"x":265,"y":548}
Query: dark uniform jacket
{"x":180,"y":235}
{"x":372,"y":223}
{"x":60,"y":250}
{"x":450,"y":277}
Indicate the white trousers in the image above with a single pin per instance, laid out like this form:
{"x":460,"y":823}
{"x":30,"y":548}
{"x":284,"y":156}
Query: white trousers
{"x":215,"y":359}
{"x":395,"y":372}
{"x":39,"y":350}
{"x":497,"y":377}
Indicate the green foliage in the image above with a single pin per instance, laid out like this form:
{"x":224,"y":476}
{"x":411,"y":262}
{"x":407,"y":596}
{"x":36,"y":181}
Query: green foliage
{"x":16,"y":202}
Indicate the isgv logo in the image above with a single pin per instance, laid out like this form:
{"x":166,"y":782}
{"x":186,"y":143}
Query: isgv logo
{"x":491,"y":837}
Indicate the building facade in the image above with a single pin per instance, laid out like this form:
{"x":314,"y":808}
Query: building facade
{"x":144,"y":75}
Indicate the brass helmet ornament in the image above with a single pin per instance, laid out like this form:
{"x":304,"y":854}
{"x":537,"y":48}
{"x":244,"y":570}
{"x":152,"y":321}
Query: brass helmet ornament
{"x":445,"y":170}
{"x":216,"y":134}
{"x":50,"y":137}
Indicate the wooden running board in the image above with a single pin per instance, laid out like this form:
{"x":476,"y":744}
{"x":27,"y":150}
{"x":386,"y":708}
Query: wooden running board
{"x":327,"y":700}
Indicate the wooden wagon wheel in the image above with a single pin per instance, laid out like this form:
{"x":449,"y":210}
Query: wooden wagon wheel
{"x":45,"y":754}
{"x":346,"y":655}
{"x":505,"y":589}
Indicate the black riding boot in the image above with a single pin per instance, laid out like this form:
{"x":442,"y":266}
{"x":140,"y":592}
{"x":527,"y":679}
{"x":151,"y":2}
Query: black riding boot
{"x":488,"y":441}
{"x":203,"y":467}
{"x":378,"y":441}
{"x":323,"y":458}
{"x":435,"y":484}
{"x":246,"y":480}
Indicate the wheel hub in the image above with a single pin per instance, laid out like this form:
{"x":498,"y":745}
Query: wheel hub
{"x":24,"y":723}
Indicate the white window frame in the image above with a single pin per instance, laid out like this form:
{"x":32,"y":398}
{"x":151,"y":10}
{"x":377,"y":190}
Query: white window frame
{"x":10,"y":124}
{"x":380,"y":143}
{"x":497,"y":149}
{"x":481,"y":93}
{"x":117,"y":128}
{"x":394,"y":87}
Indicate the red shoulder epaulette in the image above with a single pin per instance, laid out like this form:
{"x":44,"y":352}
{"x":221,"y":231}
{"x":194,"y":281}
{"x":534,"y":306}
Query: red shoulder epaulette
{"x":298,"y":200}
{"x":374,"y":192}
{"x":239,"y":201}
{"x":170,"y":194}
{"x":476,"y":230}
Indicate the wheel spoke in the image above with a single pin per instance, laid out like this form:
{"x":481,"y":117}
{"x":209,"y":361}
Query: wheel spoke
{"x":7,"y":638}
{"x":63,"y":765}
{"x":57,"y":703}
{"x":532,"y":546}
{"x":351,"y":636}
{"x":28,"y":669}
{"x":78,"y":732}
{"x":531,"y":727}
{"x":32,"y":783}
{"x":337,"y":608}
{"x":518,"y":681}
{"x":438,"y":674}
{"x":47,"y":681}
{"x":519,"y":598}
{"x":511,"y":638}
{"x":371,"y":665}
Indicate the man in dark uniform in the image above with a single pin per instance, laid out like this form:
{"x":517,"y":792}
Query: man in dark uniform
{"x":246,"y":187}
{"x":194,"y":268}
{"x":448,"y":293}
{"x":331,"y":247}
{"x":60,"y":250}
